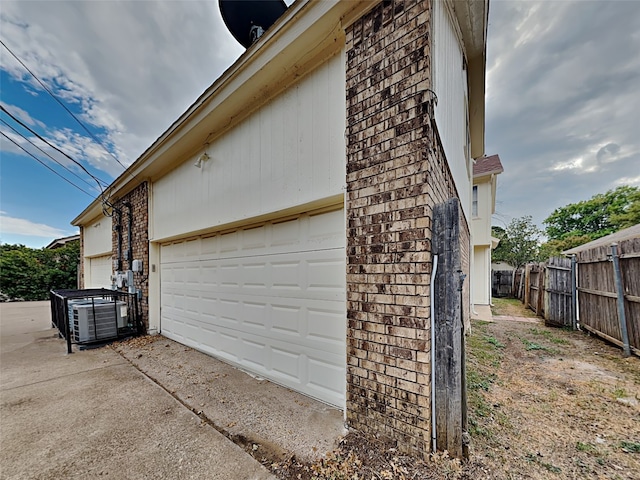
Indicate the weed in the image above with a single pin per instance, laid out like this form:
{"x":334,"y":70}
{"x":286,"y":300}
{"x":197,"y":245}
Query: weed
{"x":529,"y":345}
{"x":584,"y":447}
{"x":477,"y":382}
{"x":548,"y":336}
{"x":494,"y":341}
{"x":619,"y":392}
{"x":532,"y":457}
{"x":630,"y":447}
{"x":482,"y":408}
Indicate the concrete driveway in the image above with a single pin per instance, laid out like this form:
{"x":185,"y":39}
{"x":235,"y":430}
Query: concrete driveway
{"x":93,"y":415}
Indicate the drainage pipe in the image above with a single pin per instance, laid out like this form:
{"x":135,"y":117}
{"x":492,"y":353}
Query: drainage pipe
{"x":432,"y":301}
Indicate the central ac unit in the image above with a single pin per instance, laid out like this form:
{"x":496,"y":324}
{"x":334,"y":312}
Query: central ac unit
{"x":98,"y":321}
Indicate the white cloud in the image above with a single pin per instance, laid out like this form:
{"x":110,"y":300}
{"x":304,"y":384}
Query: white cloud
{"x":20,"y":226}
{"x":562,"y":101}
{"x":131,"y":67}
{"x":22,"y":115}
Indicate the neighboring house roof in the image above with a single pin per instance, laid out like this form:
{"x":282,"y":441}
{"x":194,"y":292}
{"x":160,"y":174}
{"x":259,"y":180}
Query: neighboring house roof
{"x":61,"y":242}
{"x":484,"y":166}
{"x":631,"y":232}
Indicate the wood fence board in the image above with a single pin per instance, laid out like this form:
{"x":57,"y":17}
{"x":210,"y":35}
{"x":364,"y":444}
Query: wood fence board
{"x":558,"y":292}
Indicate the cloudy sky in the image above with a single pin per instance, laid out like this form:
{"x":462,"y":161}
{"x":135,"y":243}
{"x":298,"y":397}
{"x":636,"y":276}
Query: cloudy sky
{"x":562,"y":98}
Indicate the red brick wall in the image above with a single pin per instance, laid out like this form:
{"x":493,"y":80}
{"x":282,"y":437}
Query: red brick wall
{"x":396,"y":173}
{"x":139,"y":200}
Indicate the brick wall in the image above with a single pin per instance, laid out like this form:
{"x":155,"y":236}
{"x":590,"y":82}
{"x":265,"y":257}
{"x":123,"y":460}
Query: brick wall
{"x":396,"y":173}
{"x":138,"y":199}
{"x":81,"y":267}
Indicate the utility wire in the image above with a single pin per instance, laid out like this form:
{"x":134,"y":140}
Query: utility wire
{"x":98,"y":181}
{"x":44,"y":164}
{"x":47,"y":154}
{"x":68,"y":111}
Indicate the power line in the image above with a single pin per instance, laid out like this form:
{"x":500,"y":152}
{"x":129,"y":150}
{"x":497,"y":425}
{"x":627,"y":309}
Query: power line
{"x":97,"y":180}
{"x":47,"y":154}
{"x":68,"y":111}
{"x":44,"y":164}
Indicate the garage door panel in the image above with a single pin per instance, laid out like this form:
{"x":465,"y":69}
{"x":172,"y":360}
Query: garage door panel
{"x":306,"y":234}
{"x":269,"y":299}
{"x":320,"y":320}
{"x":315,"y":372}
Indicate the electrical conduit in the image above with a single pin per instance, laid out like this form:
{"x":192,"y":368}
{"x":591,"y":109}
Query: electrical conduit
{"x":432,"y":289}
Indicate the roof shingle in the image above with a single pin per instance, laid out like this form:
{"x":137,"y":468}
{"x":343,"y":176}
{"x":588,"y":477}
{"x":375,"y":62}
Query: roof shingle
{"x":487,"y":165}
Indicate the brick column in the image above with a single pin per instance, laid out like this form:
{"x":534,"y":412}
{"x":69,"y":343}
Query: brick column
{"x":396,"y":173}
{"x":139,"y":200}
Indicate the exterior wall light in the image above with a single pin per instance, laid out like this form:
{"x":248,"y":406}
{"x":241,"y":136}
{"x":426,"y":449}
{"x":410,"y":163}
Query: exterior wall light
{"x":202,"y":158}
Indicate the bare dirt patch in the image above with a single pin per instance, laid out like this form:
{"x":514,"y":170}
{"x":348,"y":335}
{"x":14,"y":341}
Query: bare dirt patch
{"x":543,"y":403}
{"x":551,"y":403}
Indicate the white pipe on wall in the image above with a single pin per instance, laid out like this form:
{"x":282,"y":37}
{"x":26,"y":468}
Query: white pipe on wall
{"x":433,"y":352}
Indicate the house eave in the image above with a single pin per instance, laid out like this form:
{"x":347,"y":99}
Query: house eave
{"x":306,"y":35}
{"x":473,"y":19}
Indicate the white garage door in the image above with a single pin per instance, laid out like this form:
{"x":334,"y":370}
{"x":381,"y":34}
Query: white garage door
{"x":99,"y":272}
{"x":269,"y":299}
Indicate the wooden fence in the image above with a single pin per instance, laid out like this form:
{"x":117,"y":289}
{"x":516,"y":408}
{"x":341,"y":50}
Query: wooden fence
{"x":502,"y":283}
{"x":598,"y":296}
{"x":597,"y":303}
{"x":558,"y":293}
{"x":548,"y":291}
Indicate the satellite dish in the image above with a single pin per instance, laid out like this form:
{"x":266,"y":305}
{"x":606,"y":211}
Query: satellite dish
{"x":247,"y":20}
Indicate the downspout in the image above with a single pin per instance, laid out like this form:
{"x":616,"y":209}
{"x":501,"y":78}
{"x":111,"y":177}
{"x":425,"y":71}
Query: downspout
{"x":432,"y":289}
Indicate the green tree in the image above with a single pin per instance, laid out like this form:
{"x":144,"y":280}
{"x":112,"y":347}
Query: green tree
{"x":29,"y":274}
{"x":554,"y":248}
{"x":601,"y":215}
{"x":518,"y":242}
{"x":20,"y":273}
{"x":631,"y":215}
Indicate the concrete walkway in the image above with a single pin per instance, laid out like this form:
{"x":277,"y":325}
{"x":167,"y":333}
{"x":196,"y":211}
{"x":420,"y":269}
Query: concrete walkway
{"x":92,"y":414}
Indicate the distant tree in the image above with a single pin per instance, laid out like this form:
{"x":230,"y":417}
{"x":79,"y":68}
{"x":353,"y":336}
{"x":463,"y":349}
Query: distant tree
{"x":20,"y":273}
{"x":28,"y":273}
{"x":518,"y":242}
{"x":601,"y":215}
{"x":554,"y":248}
{"x":631,"y":215}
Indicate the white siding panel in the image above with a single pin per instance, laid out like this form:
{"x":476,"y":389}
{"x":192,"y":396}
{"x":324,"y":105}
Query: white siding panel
{"x":269,"y":299}
{"x":97,"y":237}
{"x":450,"y":85}
{"x":288,"y":153}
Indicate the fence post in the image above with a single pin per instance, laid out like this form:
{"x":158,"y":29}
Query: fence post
{"x":541,"y":286}
{"x":620,"y":291}
{"x":448,"y":371}
{"x":574,"y":293}
{"x":527,"y":285}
